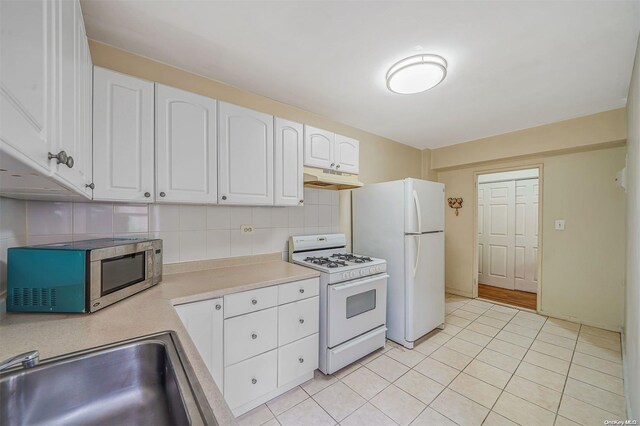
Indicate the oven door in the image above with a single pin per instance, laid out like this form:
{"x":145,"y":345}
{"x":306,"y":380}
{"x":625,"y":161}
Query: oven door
{"x":119,"y":272}
{"x":356,"y":307}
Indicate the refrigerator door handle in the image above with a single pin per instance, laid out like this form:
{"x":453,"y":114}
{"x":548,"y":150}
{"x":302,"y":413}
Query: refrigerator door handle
{"x":416,"y":201}
{"x":417,"y":262}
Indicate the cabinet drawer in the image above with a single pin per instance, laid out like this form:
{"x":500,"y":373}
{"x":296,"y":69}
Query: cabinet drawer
{"x":297,"y":320}
{"x":250,"y":301}
{"x":298,"y":290}
{"x":297,"y":358}
{"x":249,"y":335}
{"x":250,"y":379}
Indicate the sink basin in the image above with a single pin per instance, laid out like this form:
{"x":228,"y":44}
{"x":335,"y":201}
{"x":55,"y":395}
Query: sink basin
{"x":143,"y":381}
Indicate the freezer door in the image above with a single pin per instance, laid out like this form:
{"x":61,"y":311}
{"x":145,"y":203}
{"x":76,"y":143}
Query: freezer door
{"x":424,"y":271}
{"x":424,"y":206}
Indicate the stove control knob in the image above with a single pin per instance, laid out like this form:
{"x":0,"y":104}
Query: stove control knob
{"x":363,"y":271}
{"x":345,"y":275}
{"x":379,"y":268}
{"x":354,"y":274}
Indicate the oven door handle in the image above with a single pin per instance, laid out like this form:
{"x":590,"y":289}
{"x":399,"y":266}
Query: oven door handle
{"x":340,"y":287}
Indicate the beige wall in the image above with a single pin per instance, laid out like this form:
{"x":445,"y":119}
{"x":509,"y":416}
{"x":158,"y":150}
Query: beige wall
{"x":583,"y":266}
{"x":583,"y":133}
{"x":631,"y":335}
{"x":381,"y":159}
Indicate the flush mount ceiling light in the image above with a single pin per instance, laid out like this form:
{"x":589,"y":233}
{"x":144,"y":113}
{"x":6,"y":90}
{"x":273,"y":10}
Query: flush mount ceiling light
{"x":416,"y":74}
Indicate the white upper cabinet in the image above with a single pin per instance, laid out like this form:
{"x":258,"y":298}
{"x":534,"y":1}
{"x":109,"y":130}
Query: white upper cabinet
{"x":246,"y":156}
{"x":73,"y":96}
{"x":123,"y":137}
{"x":288,"y":168}
{"x":26,"y":80}
{"x":186,"y":147}
{"x":318,"y":148}
{"x":327,"y":150}
{"x":347,"y":154}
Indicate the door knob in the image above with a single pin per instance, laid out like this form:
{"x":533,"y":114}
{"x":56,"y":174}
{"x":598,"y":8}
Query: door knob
{"x":60,"y":157}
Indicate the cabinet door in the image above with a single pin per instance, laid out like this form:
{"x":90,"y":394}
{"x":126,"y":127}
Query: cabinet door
{"x":246,"y":156}
{"x":84,"y":69}
{"x":123,"y":137}
{"x":288,"y":166}
{"x":205,"y":324}
{"x":26,"y":78}
{"x":318,"y":148}
{"x":186,"y":146}
{"x":347,"y":156}
{"x":67,"y":136}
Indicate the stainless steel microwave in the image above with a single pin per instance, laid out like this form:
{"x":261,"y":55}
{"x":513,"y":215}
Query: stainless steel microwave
{"x":80,"y":276}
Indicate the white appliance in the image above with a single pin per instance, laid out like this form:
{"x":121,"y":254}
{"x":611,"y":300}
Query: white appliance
{"x":353,"y":298}
{"x":403,"y":222}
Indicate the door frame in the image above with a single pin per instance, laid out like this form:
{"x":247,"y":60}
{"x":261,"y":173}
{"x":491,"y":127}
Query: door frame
{"x":540,"y":167}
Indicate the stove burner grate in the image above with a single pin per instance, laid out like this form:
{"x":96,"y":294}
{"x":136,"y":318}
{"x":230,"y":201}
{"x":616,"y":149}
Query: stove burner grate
{"x":352,"y":258}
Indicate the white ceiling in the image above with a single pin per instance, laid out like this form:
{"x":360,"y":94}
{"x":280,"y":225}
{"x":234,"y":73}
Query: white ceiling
{"x":512,"y":64}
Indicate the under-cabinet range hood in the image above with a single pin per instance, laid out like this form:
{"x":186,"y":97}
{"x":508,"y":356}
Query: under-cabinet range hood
{"x":330,"y":179}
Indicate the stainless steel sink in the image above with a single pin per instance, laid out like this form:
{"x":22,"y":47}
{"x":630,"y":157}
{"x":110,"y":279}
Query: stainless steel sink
{"x":143,"y":381}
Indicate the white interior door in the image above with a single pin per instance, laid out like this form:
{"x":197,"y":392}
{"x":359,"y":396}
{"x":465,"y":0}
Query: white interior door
{"x":498,"y":234}
{"x":424,"y":269}
{"x":526,"y":235}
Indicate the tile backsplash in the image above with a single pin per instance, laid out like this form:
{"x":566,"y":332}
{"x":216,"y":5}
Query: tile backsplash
{"x":189,"y":232}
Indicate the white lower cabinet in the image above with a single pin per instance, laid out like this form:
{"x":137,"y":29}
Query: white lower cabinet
{"x":297,"y":358}
{"x":204,"y":322}
{"x":297,"y":320}
{"x":265,"y":340}
{"x":251,"y":379}
{"x":249,"y":335}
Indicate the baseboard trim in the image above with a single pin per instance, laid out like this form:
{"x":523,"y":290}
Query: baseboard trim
{"x":459,"y":292}
{"x":569,"y":318}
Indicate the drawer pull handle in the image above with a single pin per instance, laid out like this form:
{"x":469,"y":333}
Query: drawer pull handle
{"x":301,"y":320}
{"x":254,"y":381}
{"x":254,"y":336}
{"x":218,"y":307}
{"x":254,"y":301}
{"x":300,"y":360}
{"x":301,"y":290}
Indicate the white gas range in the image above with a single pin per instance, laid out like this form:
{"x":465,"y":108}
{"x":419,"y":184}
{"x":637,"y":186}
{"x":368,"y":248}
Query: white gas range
{"x":353,"y":298}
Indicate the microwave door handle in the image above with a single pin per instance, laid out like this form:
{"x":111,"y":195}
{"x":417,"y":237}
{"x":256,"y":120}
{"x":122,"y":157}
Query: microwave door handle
{"x":340,"y":287}
{"x":416,"y":201}
{"x":417,"y":262}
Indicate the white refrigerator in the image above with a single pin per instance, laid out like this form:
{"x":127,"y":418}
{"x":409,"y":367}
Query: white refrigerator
{"x":403,"y":222}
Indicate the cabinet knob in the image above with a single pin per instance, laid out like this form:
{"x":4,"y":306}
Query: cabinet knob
{"x":224,"y":197}
{"x":337,"y":166}
{"x":90,"y":185}
{"x":301,"y":290}
{"x":218,"y":307}
{"x":162,"y":194}
{"x":254,"y":381}
{"x":254,"y":301}
{"x":301,"y":320}
{"x":332,"y":165}
{"x":146,"y":194}
{"x":69,"y":162}
{"x":60,"y":157}
{"x":254,"y":336}
{"x":301,"y":201}
{"x":300,"y":360}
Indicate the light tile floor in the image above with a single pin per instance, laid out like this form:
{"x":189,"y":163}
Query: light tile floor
{"x":491,"y":365}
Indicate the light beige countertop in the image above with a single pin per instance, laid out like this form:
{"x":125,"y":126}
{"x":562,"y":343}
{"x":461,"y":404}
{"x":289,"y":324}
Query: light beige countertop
{"x":148,"y":312}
